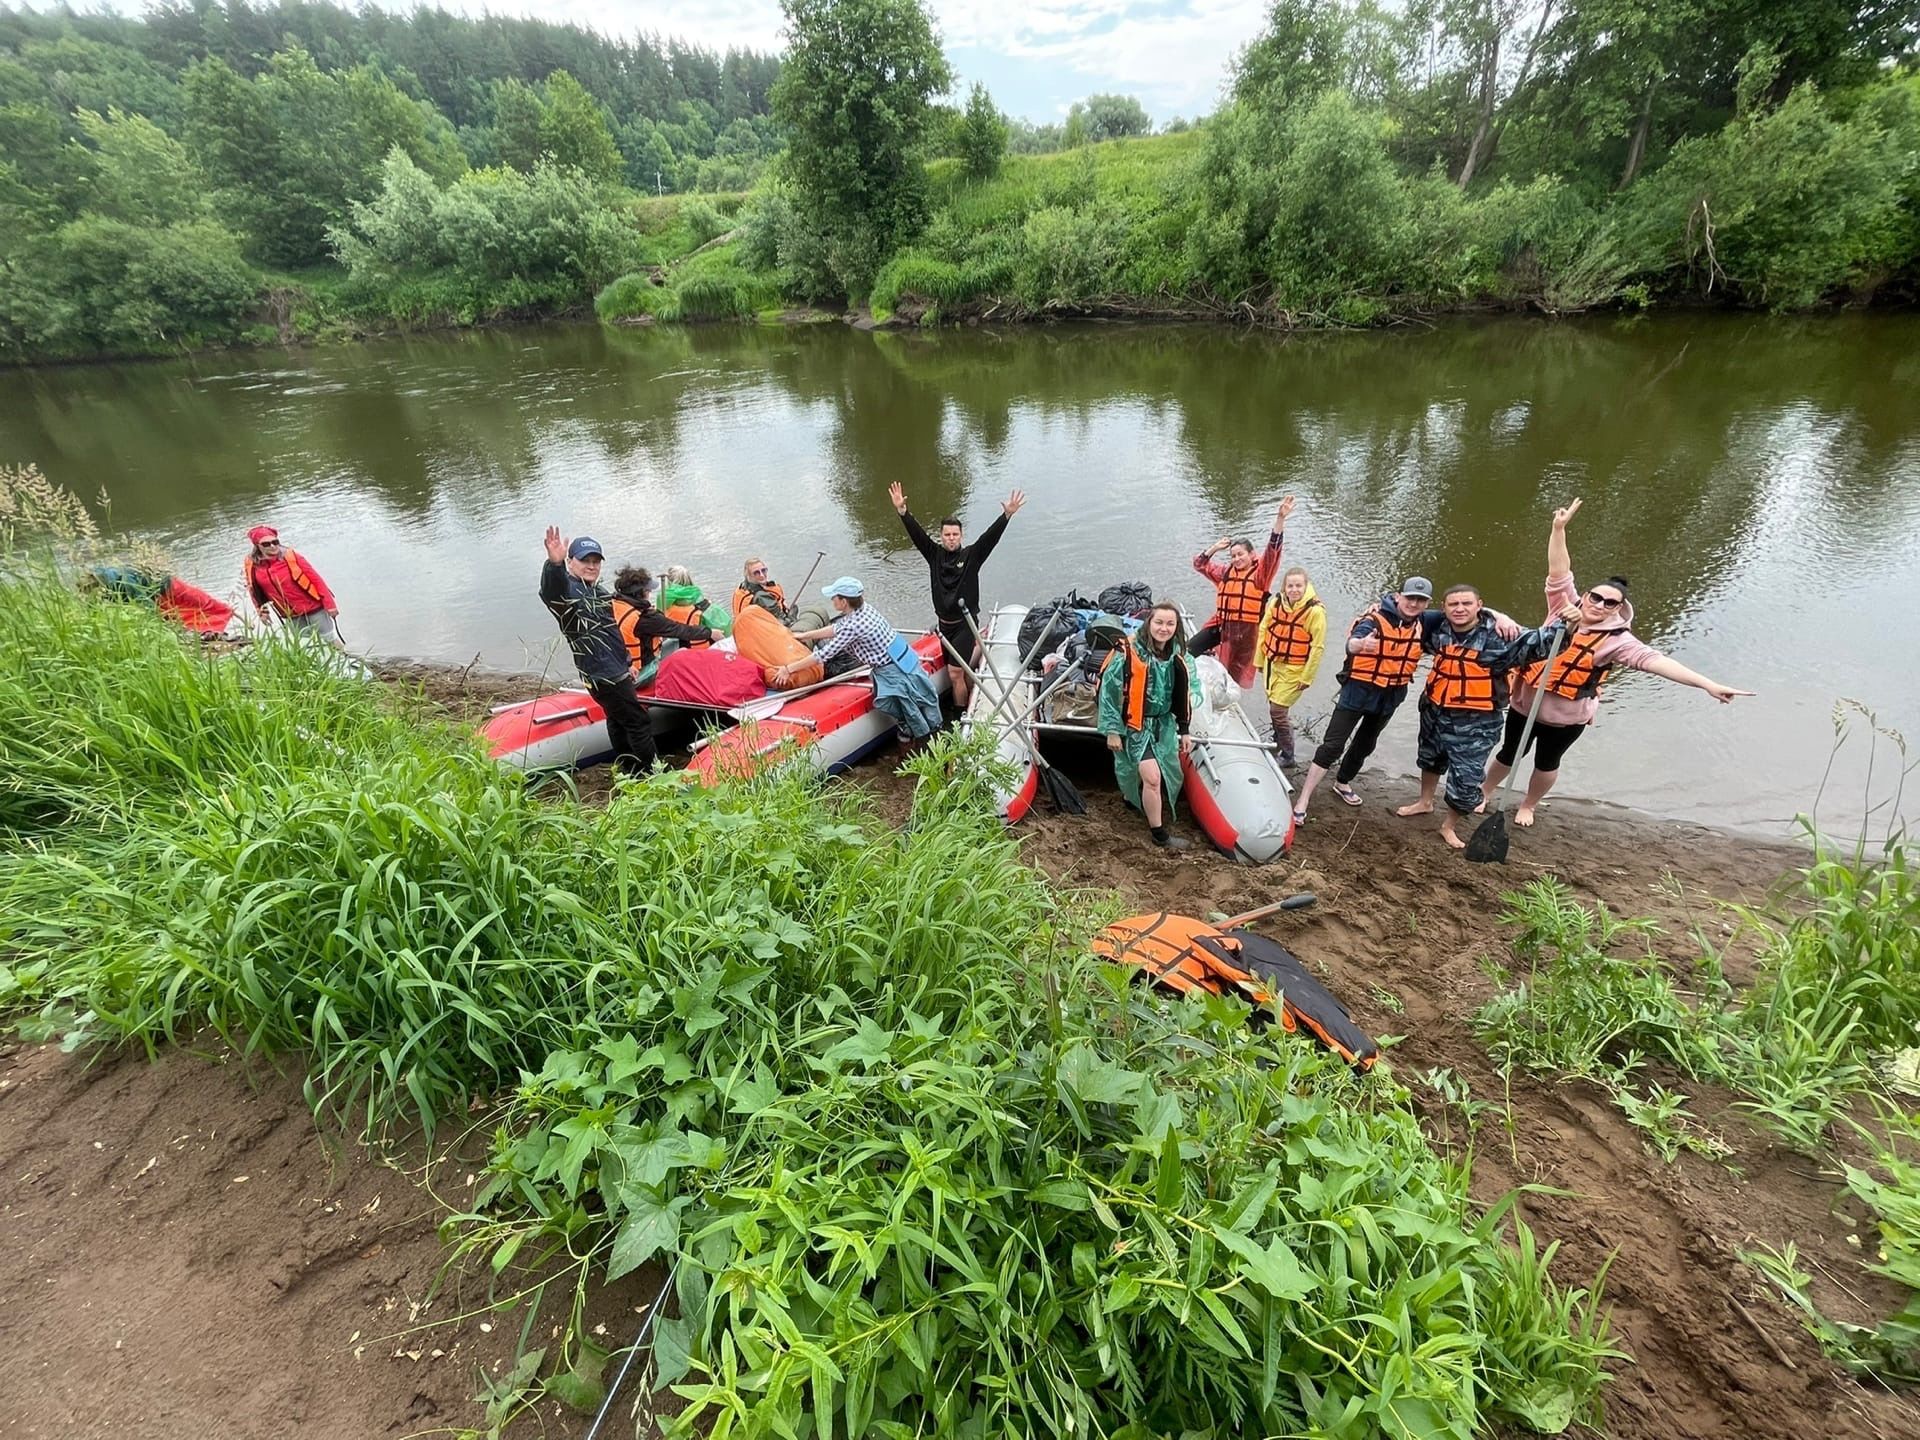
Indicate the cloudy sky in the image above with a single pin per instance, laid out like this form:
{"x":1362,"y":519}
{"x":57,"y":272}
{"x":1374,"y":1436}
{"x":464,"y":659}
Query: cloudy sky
{"x":1036,"y":56}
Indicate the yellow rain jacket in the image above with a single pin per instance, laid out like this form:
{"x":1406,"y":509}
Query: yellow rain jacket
{"x":1292,"y":640}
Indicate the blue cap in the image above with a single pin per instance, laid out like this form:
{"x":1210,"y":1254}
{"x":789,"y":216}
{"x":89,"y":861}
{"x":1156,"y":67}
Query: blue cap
{"x":583,"y":547}
{"x":846,"y":586}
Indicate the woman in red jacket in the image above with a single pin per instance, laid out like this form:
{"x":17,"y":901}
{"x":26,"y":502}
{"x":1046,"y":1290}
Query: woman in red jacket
{"x":283,"y":584}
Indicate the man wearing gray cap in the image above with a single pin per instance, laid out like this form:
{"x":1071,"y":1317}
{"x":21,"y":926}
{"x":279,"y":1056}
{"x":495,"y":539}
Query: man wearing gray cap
{"x":1383,"y":650}
{"x":570,"y":588}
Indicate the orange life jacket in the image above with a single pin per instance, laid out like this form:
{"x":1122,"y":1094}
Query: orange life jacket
{"x":1459,"y":681}
{"x":296,"y":572}
{"x":1288,"y":640}
{"x":690,"y":614}
{"x":1135,"y":680}
{"x":1393,"y":664}
{"x":1188,"y":956}
{"x":626,"y":615}
{"x":747,"y":594}
{"x":1576,"y":674}
{"x":1241,"y":596}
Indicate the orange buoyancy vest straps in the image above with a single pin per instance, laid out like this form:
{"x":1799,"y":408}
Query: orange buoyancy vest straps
{"x":689,"y":614}
{"x":626,"y":615}
{"x":1393,"y":664}
{"x":1135,"y":680}
{"x":1576,"y":673}
{"x":1288,"y":640}
{"x":296,"y":572}
{"x":1459,"y":681}
{"x":1166,"y":948}
{"x":1241,"y":597}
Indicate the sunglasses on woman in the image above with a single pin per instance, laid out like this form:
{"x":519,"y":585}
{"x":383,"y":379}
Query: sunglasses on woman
{"x":1608,"y":602}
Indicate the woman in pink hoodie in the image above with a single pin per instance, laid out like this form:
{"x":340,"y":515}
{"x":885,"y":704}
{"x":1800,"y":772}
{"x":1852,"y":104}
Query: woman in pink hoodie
{"x":1603,"y":639}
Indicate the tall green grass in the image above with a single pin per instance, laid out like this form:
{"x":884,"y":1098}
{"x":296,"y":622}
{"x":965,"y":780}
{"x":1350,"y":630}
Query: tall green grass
{"x":922,"y":1161}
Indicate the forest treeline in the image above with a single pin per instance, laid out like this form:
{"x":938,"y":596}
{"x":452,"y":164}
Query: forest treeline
{"x":213,"y":172}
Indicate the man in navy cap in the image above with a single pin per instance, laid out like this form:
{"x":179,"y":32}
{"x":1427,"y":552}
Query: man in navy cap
{"x":570,"y":588}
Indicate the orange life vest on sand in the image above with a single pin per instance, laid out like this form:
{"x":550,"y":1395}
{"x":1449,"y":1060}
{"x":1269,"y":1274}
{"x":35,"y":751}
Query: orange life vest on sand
{"x":1459,"y":681}
{"x":1241,"y":596}
{"x":1576,"y":675}
{"x":1395,"y":661}
{"x":296,"y":572}
{"x":1189,"y":956}
{"x":1287,"y":640}
{"x":769,"y":644}
{"x":745,"y":595}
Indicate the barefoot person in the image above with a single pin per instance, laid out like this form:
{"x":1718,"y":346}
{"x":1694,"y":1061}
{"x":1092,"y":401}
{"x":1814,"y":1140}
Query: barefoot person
{"x":1462,"y":706}
{"x":954,"y":568}
{"x":1145,"y":707}
{"x":1602,"y":638}
{"x":1293,"y":636}
{"x":1240,"y":600}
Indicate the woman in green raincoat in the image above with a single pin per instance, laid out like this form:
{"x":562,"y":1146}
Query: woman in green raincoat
{"x":1145,"y":705}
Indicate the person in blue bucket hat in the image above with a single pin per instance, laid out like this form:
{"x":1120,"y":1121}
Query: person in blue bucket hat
{"x":900,"y":686}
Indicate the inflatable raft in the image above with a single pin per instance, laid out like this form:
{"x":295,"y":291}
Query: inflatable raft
{"x":833,"y":727}
{"x":1235,"y":788}
{"x":567,"y":729}
{"x":999,"y":671}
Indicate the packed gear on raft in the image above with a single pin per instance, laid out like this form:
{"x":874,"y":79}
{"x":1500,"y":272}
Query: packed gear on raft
{"x":1128,"y":597}
{"x":1185,"y":956}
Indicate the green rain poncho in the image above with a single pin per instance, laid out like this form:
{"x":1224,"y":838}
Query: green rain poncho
{"x":1167,"y":703}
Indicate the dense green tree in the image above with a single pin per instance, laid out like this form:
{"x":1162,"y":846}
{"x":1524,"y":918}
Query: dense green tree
{"x":982,"y":137}
{"x":574,"y":130}
{"x":518,"y":117}
{"x":854,"y":97}
{"x":1115,"y":117}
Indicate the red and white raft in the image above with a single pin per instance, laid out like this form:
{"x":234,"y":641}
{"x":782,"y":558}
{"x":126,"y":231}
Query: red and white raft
{"x":1234,"y":786}
{"x":1003,"y":700}
{"x":832,"y":727}
{"x":567,"y":729}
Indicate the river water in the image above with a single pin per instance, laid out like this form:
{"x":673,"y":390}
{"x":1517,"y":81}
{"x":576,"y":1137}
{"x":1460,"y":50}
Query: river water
{"x":1757,"y":479}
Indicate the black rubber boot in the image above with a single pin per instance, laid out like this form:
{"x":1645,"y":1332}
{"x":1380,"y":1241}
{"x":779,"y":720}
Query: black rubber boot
{"x":1166,"y":841}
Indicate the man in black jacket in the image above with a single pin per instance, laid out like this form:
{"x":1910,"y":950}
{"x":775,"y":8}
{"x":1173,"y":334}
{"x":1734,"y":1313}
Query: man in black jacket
{"x":955,"y":571}
{"x":570,"y":588}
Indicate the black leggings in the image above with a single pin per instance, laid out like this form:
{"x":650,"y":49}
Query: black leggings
{"x":1548,"y":742}
{"x":628,"y":725}
{"x":1364,"y":730}
{"x":1205,"y":640}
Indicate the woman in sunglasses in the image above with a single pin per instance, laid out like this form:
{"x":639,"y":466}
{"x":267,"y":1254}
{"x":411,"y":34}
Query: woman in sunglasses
{"x":1602,"y":639}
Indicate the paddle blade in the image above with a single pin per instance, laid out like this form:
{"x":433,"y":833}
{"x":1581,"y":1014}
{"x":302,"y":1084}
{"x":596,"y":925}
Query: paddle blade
{"x":1488,"y":843}
{"x":1061,"y":794}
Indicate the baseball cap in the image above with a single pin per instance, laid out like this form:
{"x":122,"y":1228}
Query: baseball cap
{"x":1418,"y":585}
{"x":585,"y":546}
{"x":846,"y":587}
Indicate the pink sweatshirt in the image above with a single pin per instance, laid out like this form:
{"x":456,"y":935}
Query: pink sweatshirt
{"x":1621,"y":647}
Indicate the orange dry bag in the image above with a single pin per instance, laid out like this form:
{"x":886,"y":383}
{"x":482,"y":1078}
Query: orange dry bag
{"x":769,"y":644}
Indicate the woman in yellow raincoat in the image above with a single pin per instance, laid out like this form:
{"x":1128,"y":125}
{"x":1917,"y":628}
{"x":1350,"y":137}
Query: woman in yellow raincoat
{"x":1293,"y":633}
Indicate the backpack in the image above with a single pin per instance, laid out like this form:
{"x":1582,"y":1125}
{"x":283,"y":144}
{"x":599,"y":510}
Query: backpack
{"x":1129,"y":597}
